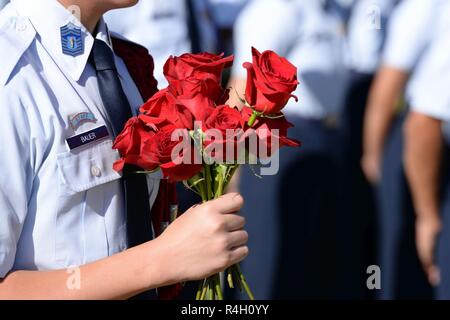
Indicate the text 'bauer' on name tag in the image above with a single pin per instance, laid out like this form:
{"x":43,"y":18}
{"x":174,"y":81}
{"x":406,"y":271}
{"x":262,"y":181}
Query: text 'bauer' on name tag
{"x":87,"y":137}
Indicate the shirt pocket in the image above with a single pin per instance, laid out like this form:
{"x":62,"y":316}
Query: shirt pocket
{"x":87,"y":168}
{"x":90,"y":205}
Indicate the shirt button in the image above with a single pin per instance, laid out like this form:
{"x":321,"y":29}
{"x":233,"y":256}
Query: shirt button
{"x":96,"y":171}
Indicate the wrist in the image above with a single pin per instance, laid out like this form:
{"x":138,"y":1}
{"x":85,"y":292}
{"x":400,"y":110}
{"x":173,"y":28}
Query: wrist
{"x":160,"y":267}
{"x":429,"y":217}
{"x":427,"y":212}
{"x":372,"y":152}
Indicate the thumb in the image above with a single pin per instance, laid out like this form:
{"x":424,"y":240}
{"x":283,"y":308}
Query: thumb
{"x":228,"y":203}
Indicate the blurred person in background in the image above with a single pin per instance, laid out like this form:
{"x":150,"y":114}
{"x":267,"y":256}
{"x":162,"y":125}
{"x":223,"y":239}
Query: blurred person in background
{"x":3,"y":3}
{"x":291,"y":216}
{"x":224,"y":14}
{"x":426,"y":153}
{"x":390,"y":96}
{"x":167,"y":28}
{"x":365,"y":40}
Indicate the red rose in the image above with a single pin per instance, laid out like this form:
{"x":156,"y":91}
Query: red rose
{"x":130,"y":144}
{"x":168,"y":151}
{"x":271,"y":79}
{"x":223,"y":118}
{"x":264,"y":128}
{"x":199,"y":66}
{"x":224,"y":126}
{"x":163,"y":108}
{"x":198,"y":96}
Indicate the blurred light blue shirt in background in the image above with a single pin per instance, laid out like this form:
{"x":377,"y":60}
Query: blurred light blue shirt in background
{"x":366,"y":33}
{"x":308,"y":36}
{"x":410,"y":32}
{"x":430,"y":83}
{"x":225,"y":12}
{"x":162,"y":27}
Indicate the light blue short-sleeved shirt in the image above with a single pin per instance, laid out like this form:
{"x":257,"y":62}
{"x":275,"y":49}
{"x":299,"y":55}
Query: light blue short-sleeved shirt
{"x":367,"y":32}
{"x":162,"y":27}
{"x":225,"y":12}
{"x":309,"y":37}
{"x":410,"y":32}
{"x":58,"y":207}
{"x":430,"y":82}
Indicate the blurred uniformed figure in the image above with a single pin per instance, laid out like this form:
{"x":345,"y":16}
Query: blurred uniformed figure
{"x":427,"y":152}
{"x":224,"y":14}
{"x":3,"y":3}
{"x":167,"y":28}
{"x":291,"y":215}
{"x":365,"y":39}
{"x":402,"y":276}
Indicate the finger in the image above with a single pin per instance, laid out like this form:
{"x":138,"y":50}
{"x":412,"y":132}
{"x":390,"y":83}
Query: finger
{"x":237,"y":239}
{"x":234,"y":222}
{"x":228,"y":203}
{"x":238,"y":254}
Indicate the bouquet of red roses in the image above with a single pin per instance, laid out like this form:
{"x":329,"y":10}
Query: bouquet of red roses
{"x":188,"y":132}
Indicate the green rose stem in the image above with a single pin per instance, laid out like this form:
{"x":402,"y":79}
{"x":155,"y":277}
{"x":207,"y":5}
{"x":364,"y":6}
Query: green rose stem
{"x":202,"y":191}
{"x":219,"y":190}
{"x":211,"y":288}
{"x":253,"y":118}
{"x":230,"y":278}
{"x":208,"y":180}
{"x":244,"y":282}
{"x":199,"y":290}
{"x":218,"y":287}
{"x":205,"y":288}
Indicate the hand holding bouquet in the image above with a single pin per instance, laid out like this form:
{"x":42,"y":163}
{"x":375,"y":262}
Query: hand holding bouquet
{"x":189,"y":132}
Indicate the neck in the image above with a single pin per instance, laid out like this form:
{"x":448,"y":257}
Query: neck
{"x":90,"y":11}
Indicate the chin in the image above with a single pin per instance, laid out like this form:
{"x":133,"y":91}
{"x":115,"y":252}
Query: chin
{"x":117,"y":4}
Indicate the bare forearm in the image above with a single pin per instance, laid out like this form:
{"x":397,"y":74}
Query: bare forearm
{"x":384,"y":96}
{"x":423,"y":149}
{"x":205,"y":240}
{"x":378,"y":120}
{"x":117,"y":277}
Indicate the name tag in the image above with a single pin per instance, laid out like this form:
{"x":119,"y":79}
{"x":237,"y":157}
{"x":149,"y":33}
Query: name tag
{"x":87,"y":137}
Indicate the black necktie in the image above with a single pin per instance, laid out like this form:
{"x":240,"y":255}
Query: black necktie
{"x":118,"y":110}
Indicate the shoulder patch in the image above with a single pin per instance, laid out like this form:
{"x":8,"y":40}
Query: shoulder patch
{"x":16,"y":35}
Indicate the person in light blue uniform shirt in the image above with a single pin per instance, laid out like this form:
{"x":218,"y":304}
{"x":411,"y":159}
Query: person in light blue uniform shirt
{"x":291,"y":215}
{"x":364,"y":41}
{"x":383,"y":144}
{"x":427,"y":153}
{"x":65,"y":94}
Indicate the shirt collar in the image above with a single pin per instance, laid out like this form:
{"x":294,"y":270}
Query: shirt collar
{"x":49,"y":30}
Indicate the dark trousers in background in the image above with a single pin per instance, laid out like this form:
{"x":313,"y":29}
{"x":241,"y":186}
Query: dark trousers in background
{"x":382,"y":230}
{"x":443,"y":247}
{"x":358,"y":201}
{"x":402,"y":276}
{"x":291,"y":219}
